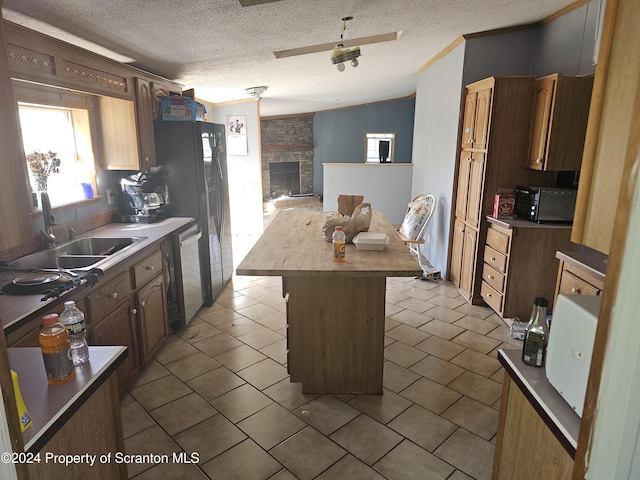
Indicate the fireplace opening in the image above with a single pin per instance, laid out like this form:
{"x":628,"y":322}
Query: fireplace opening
{"x":284,"y":179}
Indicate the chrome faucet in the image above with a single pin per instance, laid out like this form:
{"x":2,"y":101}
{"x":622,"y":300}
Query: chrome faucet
{"x":49,"y":220}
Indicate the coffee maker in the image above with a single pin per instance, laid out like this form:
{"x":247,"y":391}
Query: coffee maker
{"x":140,"y":201}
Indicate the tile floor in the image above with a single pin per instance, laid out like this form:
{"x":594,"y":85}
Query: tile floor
{"x":219,"y":388}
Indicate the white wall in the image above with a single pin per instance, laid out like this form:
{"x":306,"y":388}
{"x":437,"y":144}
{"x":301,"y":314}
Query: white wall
{"x":245,"y":178}
{"x":435,"y":140}
{"x":386,"y":187}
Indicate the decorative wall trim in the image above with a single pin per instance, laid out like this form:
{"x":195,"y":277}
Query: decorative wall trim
{"x":95,"y":76}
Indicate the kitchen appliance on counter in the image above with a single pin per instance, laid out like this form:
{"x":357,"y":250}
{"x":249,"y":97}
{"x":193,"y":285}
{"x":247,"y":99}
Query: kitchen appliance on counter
{"x":573,"y":332}
{"x":546,"y":204}
{"x":191,"y":161}
{"x":140,"y":202}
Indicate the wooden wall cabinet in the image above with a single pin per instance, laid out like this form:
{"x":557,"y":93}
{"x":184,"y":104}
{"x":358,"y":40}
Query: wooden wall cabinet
{"x":145,"y":103}
{"x":559,"y":122}
{"x":519,"y":265}
{"x":496,"y":125}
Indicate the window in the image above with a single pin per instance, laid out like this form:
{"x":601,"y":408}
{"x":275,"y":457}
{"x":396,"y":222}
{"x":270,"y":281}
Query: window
{"x":380,"y":148}
{"x":62,"y":125}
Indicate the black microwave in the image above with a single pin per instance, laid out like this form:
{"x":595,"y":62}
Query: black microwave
{"x":546,"y":204}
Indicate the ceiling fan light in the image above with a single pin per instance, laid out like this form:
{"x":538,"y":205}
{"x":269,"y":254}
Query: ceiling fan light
{"x":355,"y":63}
{"x":340,"y":67}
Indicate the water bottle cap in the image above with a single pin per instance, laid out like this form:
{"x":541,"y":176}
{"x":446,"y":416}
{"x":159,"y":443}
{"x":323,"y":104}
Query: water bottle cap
{"x":540,"y":301}
{"x":50,"y":319}
{"x":338,"y":227}
{"x":69,"y":303}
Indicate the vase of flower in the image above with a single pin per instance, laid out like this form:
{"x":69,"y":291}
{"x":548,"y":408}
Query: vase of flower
{"x":42,"y":165}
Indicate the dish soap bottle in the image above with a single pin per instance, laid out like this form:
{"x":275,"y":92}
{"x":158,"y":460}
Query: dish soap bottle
{"x":23,"y":414}
{"x":339,"y":241}
{"x":536,"y":336}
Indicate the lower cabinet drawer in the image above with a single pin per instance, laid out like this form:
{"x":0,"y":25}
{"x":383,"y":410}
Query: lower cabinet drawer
{"x":572,"y":285}
{"x":495,"y":259}
{"x":147,"y":269}
{"x":493,"y":298}
{"x":498,"y":240}
{"x":110,"y":296}
{"x":493,"y":278}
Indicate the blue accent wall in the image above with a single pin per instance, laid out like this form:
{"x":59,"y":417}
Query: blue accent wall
{"x":338,"y":135}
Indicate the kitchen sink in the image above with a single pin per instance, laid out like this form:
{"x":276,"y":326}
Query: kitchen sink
{"x":80,"y":253}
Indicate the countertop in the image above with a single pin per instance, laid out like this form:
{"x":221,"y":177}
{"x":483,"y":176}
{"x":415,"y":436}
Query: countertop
{"x":15,"y":308}
{"x":50,"y":406}
{"x":294,"y":245}
{"x":556,"y":413}
{"x":586,"y":258}
{"x":510,"y":223}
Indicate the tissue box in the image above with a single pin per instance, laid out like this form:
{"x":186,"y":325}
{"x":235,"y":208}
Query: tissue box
{"x":504,"y":203}
{"x":181,"y":109}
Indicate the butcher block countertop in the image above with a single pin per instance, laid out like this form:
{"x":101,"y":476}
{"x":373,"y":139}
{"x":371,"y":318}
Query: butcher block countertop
{"x":294,"y":245}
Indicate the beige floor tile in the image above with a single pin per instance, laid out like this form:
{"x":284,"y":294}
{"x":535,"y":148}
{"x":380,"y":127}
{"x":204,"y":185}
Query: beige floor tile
{"x":210,"y":437}
{"x":349,"y":467}
{"x":256,"y":311}
{"x":441,"y":329}
{"x":440,"y":347}
{"x":218,"y":314}
{"x":431,"y":395}
{"x":182,"y":413}
{"x":174,"y":350}
{"x":326,"y":413}
{"x":276,"y":351}
{"x":275,"y":321}
{"x":240,"y":403}
{"x":197,"y":331}
{"x":476,"y":324}
{"x":414,"y":291}
{"x":134,"y":418}
{"x":437,"y":370}
{"x":458,"y":475}
{"x":245,"y":460}
{"x":410,"y":462}
{"x":217,"y":344}
{"x":270,"y":426}
{"x":284,"y":474}
{"x":447,"y":301}
{"x":447,"y":288}
{"x":474,"y":416}
{"x":477,"y":342}
{"x":395,"y":297}
{"x":390,"y":323}
{"x":307,"y":453}
{"x":289,"y":394}
{"x":239,"y":358}
{"x":498,"y":376}
{"x":152,"y":371}
{"x":402,"y":354}
{"x":239,"y":326}
{"x":444,"y":314}
{"x":502,"y":333}
{"x":215,"y":383}
{"x":255,"y":290}
{"x":382,"y":408}
{"x":407,"y":335}
{"x":173,"y":471}
{"x":469,"y":453}
{"x":423,"y":427}
{"x":260,"y":337}
{"x":192,"y":366}
{"x":159,"y":392}
{"x":477,"y":362}
{"x":415,"y":305}
{"x":366,"y":438}
{"x":477,"y":387}
{"x":264,"y":373}
{"x":478,"y":311}
{"x":125,"y":399}
{"x":396,"y":378}
{"x":411,"y":318}
{"x":152,"y":440}
{"x":391,"y":309}
{"x":237,"y":302}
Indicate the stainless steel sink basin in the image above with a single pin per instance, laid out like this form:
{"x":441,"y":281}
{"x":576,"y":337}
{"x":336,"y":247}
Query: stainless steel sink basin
{"x":80,"y":253}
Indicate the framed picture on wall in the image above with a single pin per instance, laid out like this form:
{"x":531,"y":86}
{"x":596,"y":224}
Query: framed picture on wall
{"x":237,"y":134}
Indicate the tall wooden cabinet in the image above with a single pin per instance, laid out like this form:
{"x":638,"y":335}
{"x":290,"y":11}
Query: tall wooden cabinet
{"x":495,"y":137}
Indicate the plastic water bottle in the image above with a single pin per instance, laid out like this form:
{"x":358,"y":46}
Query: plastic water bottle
{"x":338,"y":244}
{"x":73,"y":320}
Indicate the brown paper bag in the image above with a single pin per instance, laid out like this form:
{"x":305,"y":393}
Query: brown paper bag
{"x":351,"y":225}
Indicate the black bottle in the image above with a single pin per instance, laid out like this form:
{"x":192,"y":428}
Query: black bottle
{"x":536,"y":335}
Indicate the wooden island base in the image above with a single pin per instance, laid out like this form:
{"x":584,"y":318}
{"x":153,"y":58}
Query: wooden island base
{"x":336,"y":333}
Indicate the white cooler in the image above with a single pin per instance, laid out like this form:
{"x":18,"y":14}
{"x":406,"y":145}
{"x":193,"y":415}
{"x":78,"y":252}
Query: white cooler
{"x":573,"y":331}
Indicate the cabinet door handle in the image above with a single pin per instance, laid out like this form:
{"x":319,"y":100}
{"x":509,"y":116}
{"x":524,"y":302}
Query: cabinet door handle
{"x":575,"y":291}
{"x":114,"y":295}
{"x":538,"y":160}
{"x":142,"y":304}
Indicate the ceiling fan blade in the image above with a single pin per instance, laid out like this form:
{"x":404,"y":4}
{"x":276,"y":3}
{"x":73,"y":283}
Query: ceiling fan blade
{"x":323,"y":47}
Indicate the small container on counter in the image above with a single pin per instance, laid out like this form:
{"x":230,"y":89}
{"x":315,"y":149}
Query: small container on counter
{"x":55,"y":346}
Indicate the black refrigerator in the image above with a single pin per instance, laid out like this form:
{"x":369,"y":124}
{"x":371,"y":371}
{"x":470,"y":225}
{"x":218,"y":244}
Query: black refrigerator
{"x":191,"y":164}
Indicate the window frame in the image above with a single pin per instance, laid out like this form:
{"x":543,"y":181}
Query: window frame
{"x":391,"y":136}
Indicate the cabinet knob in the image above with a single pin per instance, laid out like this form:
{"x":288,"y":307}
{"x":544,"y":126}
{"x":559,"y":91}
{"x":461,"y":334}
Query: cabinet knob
{"x":575,"y":291}
{"x":488,"y":295}
{"x":134,"y":311}
{"x":469,"y":159}
{"x":471,"y":140}
{"x":493,"y":259}
{"x":114,"y":295}
{"x":538,"y":160}
{"x":489,"y":277}
{"x":143,"y":303}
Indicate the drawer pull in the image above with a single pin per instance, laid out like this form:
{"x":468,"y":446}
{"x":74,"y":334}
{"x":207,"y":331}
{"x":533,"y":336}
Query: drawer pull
{"x":488,"y":295}
{"x":143,"y":303}
{"x":538,"y":160}
{"x":114,"y":295}
{"x":490,"y":277}
{"x":134,"y":311}
{"x":493,"y":259}
{"x":152,"y":268}
{"x":575,"y":291}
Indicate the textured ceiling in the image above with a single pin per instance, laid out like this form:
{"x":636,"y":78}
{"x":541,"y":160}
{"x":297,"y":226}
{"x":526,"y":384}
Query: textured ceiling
{"x":219,"y":47}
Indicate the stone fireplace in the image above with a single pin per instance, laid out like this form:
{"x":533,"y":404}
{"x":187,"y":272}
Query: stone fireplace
{"x":287,"y":156}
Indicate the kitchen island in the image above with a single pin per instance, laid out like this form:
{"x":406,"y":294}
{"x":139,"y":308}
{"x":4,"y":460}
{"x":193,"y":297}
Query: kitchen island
{"x":335,"y":311}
